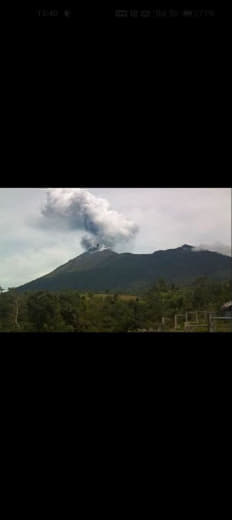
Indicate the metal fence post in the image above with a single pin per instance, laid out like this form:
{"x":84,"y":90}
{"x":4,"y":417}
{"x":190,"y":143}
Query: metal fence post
{"x":175,"y":322}
{"x":211,"y":324}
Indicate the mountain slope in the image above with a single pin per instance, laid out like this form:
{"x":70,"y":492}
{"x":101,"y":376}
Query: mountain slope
{"x":107,"y":270}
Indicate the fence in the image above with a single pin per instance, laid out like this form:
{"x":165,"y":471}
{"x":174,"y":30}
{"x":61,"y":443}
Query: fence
{"x":213,"y":323}
{"x":201,"y":320}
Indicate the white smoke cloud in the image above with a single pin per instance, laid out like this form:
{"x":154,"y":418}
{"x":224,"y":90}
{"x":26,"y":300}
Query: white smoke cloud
{"x":216,"y":247}
{"x":78,"y":209}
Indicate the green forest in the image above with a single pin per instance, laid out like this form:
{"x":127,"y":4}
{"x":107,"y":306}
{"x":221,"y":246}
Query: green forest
{"x":150,"y":310}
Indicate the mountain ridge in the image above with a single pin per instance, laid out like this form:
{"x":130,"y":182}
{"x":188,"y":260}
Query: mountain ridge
{"x":107,"y":270}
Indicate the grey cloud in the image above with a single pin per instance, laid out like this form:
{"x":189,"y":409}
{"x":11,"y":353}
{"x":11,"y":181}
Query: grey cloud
{"x":78,"y":209}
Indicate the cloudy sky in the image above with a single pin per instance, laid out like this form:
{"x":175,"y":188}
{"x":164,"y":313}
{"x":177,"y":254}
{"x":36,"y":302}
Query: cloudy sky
{"x":40,"y":231}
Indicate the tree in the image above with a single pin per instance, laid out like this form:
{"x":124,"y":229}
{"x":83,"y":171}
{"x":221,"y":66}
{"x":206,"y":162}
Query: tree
{"x":162,"y":285}
{"x":8,"y":312}
{"x":44,"y":312}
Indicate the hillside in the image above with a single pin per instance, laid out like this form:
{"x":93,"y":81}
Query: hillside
{"x":107,"y":270}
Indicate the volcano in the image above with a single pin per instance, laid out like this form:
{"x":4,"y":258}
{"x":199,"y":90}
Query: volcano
{"x":101,"y":270}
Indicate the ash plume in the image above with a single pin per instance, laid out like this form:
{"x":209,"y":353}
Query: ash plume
{"x":216,"y":247}
{"x":78,"y":209}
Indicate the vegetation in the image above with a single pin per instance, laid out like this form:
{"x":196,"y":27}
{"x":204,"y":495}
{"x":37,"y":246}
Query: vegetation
{"x":72,"y":311}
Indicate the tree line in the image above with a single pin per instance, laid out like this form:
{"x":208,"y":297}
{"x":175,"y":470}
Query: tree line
{"x":71,"y":311}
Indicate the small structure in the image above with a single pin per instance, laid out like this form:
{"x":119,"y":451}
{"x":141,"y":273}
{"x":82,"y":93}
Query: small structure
{"x":227,"y":309}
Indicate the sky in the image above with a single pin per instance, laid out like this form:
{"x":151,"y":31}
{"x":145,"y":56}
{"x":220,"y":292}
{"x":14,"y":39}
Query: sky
{"x":42,"y":230}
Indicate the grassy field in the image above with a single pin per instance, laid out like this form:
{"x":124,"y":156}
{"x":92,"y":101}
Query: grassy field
{"x":122,"y":297}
